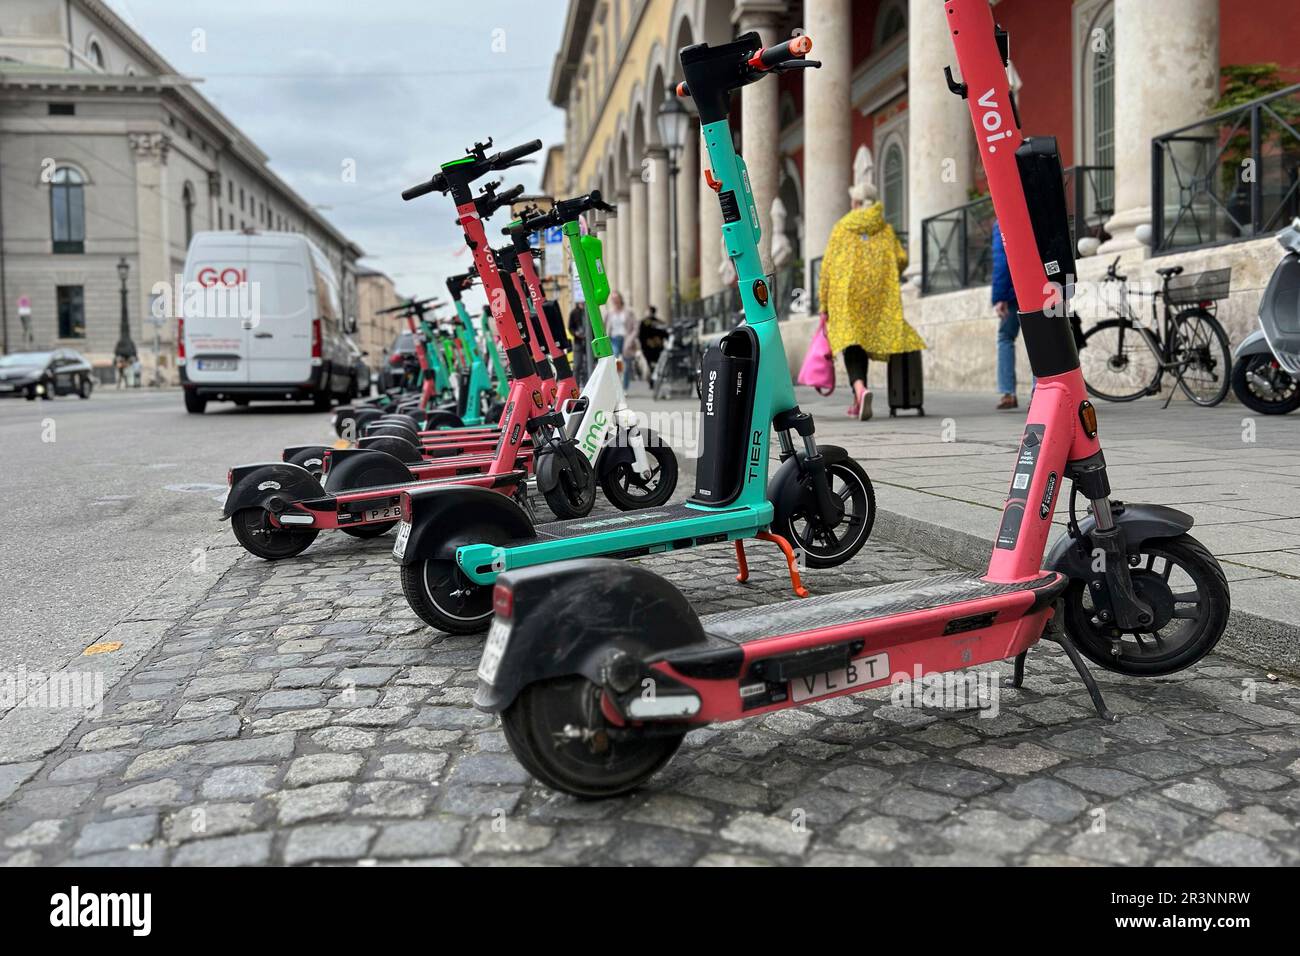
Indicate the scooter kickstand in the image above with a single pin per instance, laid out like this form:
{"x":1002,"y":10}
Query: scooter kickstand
{"x":742,"y":565}
{"x":790,"y":561}
{"x":1018,"y":678}
{"x":1093,"y":690}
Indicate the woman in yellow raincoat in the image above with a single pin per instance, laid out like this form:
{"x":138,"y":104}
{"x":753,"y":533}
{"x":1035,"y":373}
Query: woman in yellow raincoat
{"x":860,"y":293}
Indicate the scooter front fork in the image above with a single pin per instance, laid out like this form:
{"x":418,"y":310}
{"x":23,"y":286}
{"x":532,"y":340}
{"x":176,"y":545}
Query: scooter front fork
{"x":814,"y":464}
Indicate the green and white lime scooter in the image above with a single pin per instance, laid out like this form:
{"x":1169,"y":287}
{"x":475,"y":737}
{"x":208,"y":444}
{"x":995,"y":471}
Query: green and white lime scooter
{"x":454,"y":541}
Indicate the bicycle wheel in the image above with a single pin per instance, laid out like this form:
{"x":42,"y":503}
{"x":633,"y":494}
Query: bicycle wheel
{"x":1200,"y":352}
{"x":1118,"y":362}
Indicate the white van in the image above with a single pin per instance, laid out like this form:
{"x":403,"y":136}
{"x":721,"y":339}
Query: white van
{"x":260,"y":318}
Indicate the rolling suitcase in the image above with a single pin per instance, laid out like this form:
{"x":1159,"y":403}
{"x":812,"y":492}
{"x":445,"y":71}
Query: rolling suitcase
{"x":906,"y":389}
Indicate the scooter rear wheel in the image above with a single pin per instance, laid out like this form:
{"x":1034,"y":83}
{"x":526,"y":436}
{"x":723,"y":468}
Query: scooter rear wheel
{"x":1188,"y":593}
{"x":1263,"y":386}
{"x":370,"y":530}
{"x":445,"y":599}
{"x":556,"y":731}
{"x":437,"y":420}
{"x":253,"y":530}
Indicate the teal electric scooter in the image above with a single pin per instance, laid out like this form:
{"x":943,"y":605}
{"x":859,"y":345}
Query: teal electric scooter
{"x":454,"y":541}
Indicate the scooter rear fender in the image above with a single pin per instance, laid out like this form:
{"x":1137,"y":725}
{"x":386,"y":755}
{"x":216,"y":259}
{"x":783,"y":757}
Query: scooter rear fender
{"x":1253,"y":344}
{"x":269,"y":485}
{"x":352,"y":469}
{"x":445,"y":518}
{"x":593,"y":616}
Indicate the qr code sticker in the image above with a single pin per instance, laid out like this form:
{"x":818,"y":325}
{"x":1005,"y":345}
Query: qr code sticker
{"x":1021,"y":482}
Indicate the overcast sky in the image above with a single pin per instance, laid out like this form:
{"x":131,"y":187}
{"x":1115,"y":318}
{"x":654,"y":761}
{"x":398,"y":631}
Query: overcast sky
{"x":399,"y":86}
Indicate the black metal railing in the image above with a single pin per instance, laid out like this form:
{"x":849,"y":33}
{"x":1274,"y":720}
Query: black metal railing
{"x":1090,"y":197}
{"x":957,"y":248}
{"x":1231,"y":176}
{"x":957,"y":245}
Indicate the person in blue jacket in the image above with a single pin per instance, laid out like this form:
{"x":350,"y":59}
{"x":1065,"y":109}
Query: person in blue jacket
{"x":1008,"y":312}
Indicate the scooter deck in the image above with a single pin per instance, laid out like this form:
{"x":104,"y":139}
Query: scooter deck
{"x":728,"y":628}
{"x":626,"y":535}
{"x":356,"y":495}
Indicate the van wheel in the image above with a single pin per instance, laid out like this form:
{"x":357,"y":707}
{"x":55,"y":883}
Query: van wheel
{"x":194,"y":404}
{"x":321,"y":401}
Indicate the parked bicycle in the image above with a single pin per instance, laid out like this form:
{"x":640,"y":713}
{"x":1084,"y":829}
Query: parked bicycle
{"x":1124,"y":359}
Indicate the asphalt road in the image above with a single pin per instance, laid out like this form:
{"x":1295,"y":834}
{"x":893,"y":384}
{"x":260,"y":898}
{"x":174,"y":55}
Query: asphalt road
{"x":103,"y":500}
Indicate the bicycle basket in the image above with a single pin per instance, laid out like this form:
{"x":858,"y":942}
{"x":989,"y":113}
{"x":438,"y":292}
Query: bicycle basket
{"x":1199,"y":287}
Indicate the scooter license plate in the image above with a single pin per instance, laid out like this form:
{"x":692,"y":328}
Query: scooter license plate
{"x":858,"y":673}
{"x":493,"y":650}
{"x":379,"y":514}
{"x":403,"y":534}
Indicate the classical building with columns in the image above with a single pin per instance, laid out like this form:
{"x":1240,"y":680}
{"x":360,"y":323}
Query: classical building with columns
{"x":106,"y":153}
{"x":1134,"y":90}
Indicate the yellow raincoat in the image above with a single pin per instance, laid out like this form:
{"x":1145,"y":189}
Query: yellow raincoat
{"x":859,"y":286}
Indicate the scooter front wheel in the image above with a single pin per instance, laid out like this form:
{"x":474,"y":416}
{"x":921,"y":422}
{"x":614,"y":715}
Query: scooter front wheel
{"x":571,"y":492}
{"x":253,"y":530}
{"x":445,"y":599}
{"x":1188,"y":595}
{"x":558,"y":734}
{"x":1263,"y":386}
{"x":627,"y":489}
{"x":824,"y":545}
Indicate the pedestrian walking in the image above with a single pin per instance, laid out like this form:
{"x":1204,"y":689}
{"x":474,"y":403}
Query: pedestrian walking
{"x":861,"y":295}
{"x":621,"y":325}
{"x":1008,"y":312}
{"x":581,"y":349}
{"x":120,"y":364}
{"x":651,"y":335}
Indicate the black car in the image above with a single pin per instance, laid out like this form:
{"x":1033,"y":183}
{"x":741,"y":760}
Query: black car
{"x":400,"y":363}
{"x":45,"y":374}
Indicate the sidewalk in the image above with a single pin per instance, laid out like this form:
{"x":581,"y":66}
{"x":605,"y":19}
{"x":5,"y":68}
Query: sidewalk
{"x":941,"y":480}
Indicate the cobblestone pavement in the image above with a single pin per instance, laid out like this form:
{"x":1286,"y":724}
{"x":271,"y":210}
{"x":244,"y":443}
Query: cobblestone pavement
{"x":302,"y":714}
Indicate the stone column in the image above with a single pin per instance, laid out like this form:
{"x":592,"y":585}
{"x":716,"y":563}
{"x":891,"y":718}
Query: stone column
{"x":828,"y":123}
{"x":710,"y":233}
{"x":659,"y":216}
{"x":939,"y":134}
{"x":637,"y":295}
{"x":760,"y":120}
{"x":153,"y":240}
{"x":1166,"y":76}
{"x":688,"y":199}
{"x":622,"y":280}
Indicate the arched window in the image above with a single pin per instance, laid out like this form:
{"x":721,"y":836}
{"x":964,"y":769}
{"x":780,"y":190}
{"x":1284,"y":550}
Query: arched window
{"x":1099,"y":102}
{"x":95,"y":55}
{"x":68,"y":210}
{"x":187,"y":200}
{"x":893,"y":186}
{"x":892,"y":22}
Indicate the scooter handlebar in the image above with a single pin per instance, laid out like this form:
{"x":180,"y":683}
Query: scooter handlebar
{"x":508,"y":157}
{"x":437,"y":184}
{"x":793,"y":49}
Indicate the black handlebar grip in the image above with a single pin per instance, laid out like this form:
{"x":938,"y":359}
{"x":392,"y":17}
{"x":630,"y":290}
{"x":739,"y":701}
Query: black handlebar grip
{"x":510,"y":195}
{"x":791,"y":49}
{"x":423,"y":189}
{"x":508,"y":156}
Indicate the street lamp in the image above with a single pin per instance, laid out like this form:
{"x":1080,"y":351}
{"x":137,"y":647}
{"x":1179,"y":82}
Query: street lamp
{"x":125,"y":347}
{"x":674,"y":126}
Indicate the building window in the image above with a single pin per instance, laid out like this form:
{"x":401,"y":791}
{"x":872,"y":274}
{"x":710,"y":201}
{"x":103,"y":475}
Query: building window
{"x":72,"y":311}
{"x":187,"y":200}
{"x":63,"y":109}
{"x":68,"y":210}
{"x":1099,"y":102}
{"x":241,"y":198}
{"x":95,"y":55}
{"x":893,"y":186}
{"x":230,"y":189}
{"x":892,"y":21}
